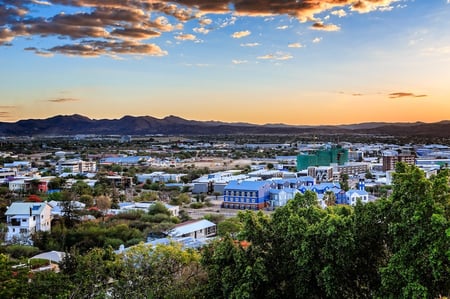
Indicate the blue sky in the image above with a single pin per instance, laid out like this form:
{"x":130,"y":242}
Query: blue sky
{"x":295,"y":62}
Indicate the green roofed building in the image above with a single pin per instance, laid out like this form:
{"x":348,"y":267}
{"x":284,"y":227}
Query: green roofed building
{"x":322,"y":157}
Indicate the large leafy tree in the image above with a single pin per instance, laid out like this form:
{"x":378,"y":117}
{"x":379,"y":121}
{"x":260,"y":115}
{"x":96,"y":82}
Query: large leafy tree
{"x":418,"y":216}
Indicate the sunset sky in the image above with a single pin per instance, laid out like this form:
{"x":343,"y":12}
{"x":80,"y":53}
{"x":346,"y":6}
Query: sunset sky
{"x":258,"y":61}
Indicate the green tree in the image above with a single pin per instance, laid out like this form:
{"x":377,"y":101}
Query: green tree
{"x":418,"y":218}
{"x":343,"y":180}
{"x":162,"y":271}
{"x":158,"y":208}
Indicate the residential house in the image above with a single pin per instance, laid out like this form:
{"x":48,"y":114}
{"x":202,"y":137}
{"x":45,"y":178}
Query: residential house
{"x":196,"y":229}
{"x":354,"y":195}
{"x":279,"y":197}
{"x":26,"y":218}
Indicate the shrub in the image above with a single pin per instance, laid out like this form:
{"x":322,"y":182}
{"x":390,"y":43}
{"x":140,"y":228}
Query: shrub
{"x":196,"y":205}
{"x":19,"y":251}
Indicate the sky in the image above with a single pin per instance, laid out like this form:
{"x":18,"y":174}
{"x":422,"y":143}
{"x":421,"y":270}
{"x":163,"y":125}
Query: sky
{"x":300,"y":62}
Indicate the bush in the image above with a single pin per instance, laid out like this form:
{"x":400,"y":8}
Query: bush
{"x":132,"y":242}
{"x":196,"y":205}
{"x":113,"y":242}
{"x":130,"y":215}
{"x":19,"y":251}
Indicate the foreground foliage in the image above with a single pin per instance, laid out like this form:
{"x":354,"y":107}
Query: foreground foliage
{"x":396,"y":247}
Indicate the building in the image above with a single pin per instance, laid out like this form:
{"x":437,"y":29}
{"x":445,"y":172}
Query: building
{"x":76,"y":166}
{"x":7,"y":173}
{"x":196,"y":229}
{"x":279,"y":197}
{"x":159,"y":177}
{"x":321,"y":173}
{"x":252,"y":195}
{"x":391,"y":158}
{"x":322,"y":157}
{"x":145,"y":206}
{"x":353,"y":168}
{"x":25,"y":218}
{"x":353,"y":195}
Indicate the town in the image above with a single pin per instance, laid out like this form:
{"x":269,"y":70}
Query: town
{"x":120,"y":192}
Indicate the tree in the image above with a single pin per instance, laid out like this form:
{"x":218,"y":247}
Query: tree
{"x":343,"y":180}
{"x":418,"y":214}
{"x":158,"y":208}
{"x":87,"y":199}
{"x":230,"y":226}
{"x":329,"y":198}
{"x":103,"y":203}
{"x":161,"y":271}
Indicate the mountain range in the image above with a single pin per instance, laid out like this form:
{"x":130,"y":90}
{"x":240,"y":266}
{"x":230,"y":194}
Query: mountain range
{"x":173,"y":125}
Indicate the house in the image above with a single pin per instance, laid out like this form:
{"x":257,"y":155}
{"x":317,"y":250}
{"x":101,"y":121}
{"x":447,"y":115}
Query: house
{"x":145,"y":206}
{"x":279,"y":197}
{"x":353,"y":195}
{"x":252,"y":195}
{"x":26,"y":218}
{"x":196,"y":229}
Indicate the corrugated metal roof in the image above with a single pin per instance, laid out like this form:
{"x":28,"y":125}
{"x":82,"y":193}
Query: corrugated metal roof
{"x":246,"y":185}
{"x":23,"y":208}
{"x":190,"y":227}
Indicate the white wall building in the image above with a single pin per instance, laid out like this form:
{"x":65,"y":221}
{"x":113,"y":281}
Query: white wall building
{"x":76,"y":166}
{"x":26,"y":218}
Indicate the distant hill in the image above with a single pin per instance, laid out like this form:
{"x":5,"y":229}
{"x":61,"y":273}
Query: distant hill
{"x":173,"y":125}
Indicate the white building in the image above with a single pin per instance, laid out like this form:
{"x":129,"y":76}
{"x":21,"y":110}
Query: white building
{"x":196,"y":229}
{"x":353,"y":195}
{"x":76,"y":166}
{"x":145,"y":206}
{"x":6,"y":173}
{"x":26,"y":218}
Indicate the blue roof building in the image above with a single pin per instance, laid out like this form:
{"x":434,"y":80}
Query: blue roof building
{"x":252,"y":195}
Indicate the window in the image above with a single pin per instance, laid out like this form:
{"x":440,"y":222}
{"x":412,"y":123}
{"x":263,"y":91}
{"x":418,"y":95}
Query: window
{"x":23,"y":231}
{"x":34,"y":217}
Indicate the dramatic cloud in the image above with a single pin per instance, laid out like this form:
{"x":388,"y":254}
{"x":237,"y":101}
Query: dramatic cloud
{"x":396,"y":95}
{"x":317,"y":40}
{"x":282,"y":27}
{"x":112,"y":27}
{"x":325,"y":27}
{"x":241,"y":34}
{"x":64,"y":100}
{"x":97,"y":48}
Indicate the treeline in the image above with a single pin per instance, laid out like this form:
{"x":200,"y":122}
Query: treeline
{"x":396,"y":247}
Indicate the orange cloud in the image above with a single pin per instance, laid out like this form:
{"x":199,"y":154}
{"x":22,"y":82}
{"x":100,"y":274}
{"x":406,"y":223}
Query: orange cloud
{"x":325,"y":27}
{"x":64,"y":100}
{"x":396,"y":95}
{"x":112,"y":27}
{"x":185,"y":37}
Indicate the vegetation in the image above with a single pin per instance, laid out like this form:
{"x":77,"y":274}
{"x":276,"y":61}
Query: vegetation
{"x":395,"y":247}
